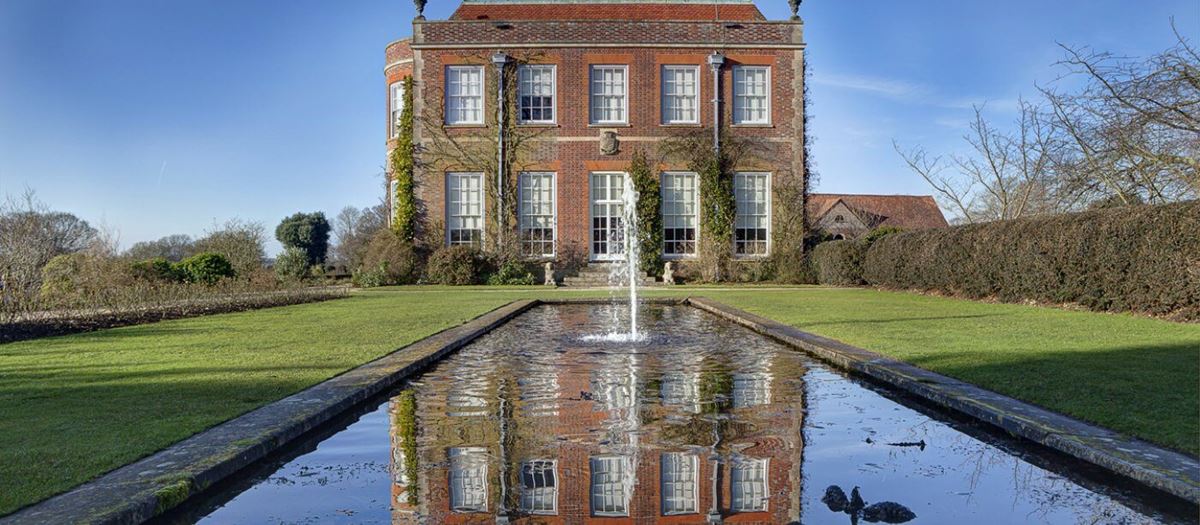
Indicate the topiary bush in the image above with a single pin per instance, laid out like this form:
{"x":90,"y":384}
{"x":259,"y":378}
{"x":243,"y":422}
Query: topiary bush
{"x":388,"y":261}
{"x":206,"y":268}
{"x":839,"y":263}
{"x":454,"y":265}
{"x":1134,"y":258}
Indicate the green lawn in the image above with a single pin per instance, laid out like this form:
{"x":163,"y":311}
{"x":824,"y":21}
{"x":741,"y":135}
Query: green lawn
{"x":74,"y":407}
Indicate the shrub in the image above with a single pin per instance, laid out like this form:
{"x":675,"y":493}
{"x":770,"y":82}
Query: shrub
{"x":454,"y":265}
{"x":512,"y":272}
{"x":292,"y":264}
{"x":308,"y":232}
{"x":156,"y":269}
{"x":388,"y":260}
{"x":206,"y":268}
{"x":241,"y":243}
{"x":839,"y":263}
{"x":1136,"y":258}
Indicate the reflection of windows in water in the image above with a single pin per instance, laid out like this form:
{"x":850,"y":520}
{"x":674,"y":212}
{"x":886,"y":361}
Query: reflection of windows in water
{"x":468,"y":479}
{"x":539,"y":393}
{"x":751,"y":389}
{"x":539,"y":487}
{"x":399,"y":472}
{"x":749,"y":483}
{"x":609,"y":494}
{"x":680,"y":390}
{"x":679,"y":483}
{"x":614,"y":392}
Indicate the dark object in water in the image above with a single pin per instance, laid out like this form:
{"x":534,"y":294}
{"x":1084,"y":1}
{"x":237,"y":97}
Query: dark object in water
{"x":835,"y":499}
{"x":856,"y":508}
{"x":887,"y":512}
{"x":920,"y":444}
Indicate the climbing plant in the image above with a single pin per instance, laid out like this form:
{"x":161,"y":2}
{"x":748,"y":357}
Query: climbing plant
{"x":403,"y":161}
{"x":649,"y":220}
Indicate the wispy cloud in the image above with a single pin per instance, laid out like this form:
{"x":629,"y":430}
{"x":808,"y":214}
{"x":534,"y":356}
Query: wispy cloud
{"x":911,"y":92}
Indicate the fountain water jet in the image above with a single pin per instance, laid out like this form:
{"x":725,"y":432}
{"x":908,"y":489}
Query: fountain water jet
{"x":626,"y":271}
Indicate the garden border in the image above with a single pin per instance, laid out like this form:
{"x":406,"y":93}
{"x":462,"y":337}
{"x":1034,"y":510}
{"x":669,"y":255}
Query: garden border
{"x":1156,"y":467}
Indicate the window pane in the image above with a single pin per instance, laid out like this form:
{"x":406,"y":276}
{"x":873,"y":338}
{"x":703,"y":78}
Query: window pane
{"x":536,"y":214}
{"x":749,"y":483}
{"x":536,"y":93}
{"x":468,"y":479}
{"x":539,"y":487}
{"x":680,"y":94}
{"x":464,"y":208}
{"x":609,"y":494}
{"x":608,"y":94}
{"x":752,"y":221}
{"x":751,"y":94}
{"x":679,"y":206}
{"x":464,"y":95}
{"x":679,"y":483}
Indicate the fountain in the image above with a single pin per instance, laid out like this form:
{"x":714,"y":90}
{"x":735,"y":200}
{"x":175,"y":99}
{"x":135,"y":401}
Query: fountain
{"x":624,"y":273}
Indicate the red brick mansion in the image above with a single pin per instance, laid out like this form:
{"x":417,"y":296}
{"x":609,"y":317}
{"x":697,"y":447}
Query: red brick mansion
{"x":587,"y":84}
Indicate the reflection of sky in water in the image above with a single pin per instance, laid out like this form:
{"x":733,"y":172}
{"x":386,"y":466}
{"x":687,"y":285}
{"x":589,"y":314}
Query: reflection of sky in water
{"x":533,"y":420}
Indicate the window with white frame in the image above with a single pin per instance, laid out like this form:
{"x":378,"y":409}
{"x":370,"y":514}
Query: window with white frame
{"x":468,"y":479}
{"x":749,"y":480}
{"x":396,"y":106}
{"x":539,"y":487}
{"x":535,"y":90}
{"x":679,"y":483}
{"x":752,"y":223}
{"x":609,"y":494}
{"x":464,"y":94}
{"x":681,"y":389}
{"x":464,"y":209}
{"x":536,"y":214}
{"x":751,"y":95}
{"x":679,"y":217}
{"x":609,"y":94}
{"x":751,"y":390}
{"x":680,"y":94}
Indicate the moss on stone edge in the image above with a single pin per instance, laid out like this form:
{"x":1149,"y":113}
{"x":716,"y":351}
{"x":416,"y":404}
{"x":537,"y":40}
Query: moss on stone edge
{"x":172,"y":495}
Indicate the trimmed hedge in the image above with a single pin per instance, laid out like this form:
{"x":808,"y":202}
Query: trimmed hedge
{"x":840,"y":263}
{"x":455,"y":265}
{"x":1140,"y":258}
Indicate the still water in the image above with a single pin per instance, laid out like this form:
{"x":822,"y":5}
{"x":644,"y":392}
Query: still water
{"x":702,"y":420}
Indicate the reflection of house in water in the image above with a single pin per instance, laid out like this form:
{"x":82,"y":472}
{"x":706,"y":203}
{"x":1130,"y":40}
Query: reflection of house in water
{"x":582,"y":436}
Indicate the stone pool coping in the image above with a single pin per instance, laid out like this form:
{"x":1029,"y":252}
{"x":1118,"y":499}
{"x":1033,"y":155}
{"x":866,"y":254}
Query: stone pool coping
{"x":1166,"y":470}
{"x":148,"y":487}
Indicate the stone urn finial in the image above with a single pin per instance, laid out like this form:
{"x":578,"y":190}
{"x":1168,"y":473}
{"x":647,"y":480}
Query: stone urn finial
{"x":420,"y":5}
{"x":795,"y":5}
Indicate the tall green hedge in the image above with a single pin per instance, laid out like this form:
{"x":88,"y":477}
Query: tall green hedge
{"x":840,"y":263}
{"x":403,"y":160}
{"x":649,"y":220}
{"x":1140,"y":258}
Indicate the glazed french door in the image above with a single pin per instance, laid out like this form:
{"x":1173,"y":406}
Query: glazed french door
{"x":608,"y":234}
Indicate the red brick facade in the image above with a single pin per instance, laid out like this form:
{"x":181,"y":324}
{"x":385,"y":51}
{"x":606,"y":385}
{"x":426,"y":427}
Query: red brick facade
{"x":571,"y":147}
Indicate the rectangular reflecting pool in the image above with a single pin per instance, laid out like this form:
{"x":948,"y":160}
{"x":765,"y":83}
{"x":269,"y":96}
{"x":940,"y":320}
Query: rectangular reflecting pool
{"x":703,"y":421}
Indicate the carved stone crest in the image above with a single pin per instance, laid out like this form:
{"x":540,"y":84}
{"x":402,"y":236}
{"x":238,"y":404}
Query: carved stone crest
{"x":609,"y":145}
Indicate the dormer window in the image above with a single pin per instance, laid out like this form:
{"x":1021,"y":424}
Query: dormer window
{"x":839,"y":219}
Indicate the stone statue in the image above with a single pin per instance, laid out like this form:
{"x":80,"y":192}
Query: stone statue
{"x":795,"y":5}
{"x":420,"y":5}
{"x":609,"y":145}
{"x":669,"y":273}
{"x":550,"y":274}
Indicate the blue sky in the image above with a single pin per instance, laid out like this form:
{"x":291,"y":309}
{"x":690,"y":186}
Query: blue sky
{"x":156,"y":117}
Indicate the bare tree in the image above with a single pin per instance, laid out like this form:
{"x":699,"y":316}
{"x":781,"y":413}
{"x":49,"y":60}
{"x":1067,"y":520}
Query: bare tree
{"x":1134,"y":125}
{"x":30,"y":235}
{"x":173,"y":248}
{"x":1006,"y":175}
{"x":353,"y":229}
{"x":242,"y":242}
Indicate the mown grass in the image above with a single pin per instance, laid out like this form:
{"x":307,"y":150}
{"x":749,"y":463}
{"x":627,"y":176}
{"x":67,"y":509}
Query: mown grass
{"x":74,"y":407}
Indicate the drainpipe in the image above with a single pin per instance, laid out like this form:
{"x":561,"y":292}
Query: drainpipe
{"x":715,"y":60}
{"x":499,"y":59}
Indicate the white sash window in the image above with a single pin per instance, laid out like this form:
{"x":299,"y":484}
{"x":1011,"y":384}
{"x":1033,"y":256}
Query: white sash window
{"x":464,"y":95}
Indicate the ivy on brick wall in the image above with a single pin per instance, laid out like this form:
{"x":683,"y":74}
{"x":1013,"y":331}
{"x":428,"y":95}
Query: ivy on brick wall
{"x":649,"y":220}
{"x":405,"y":209}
